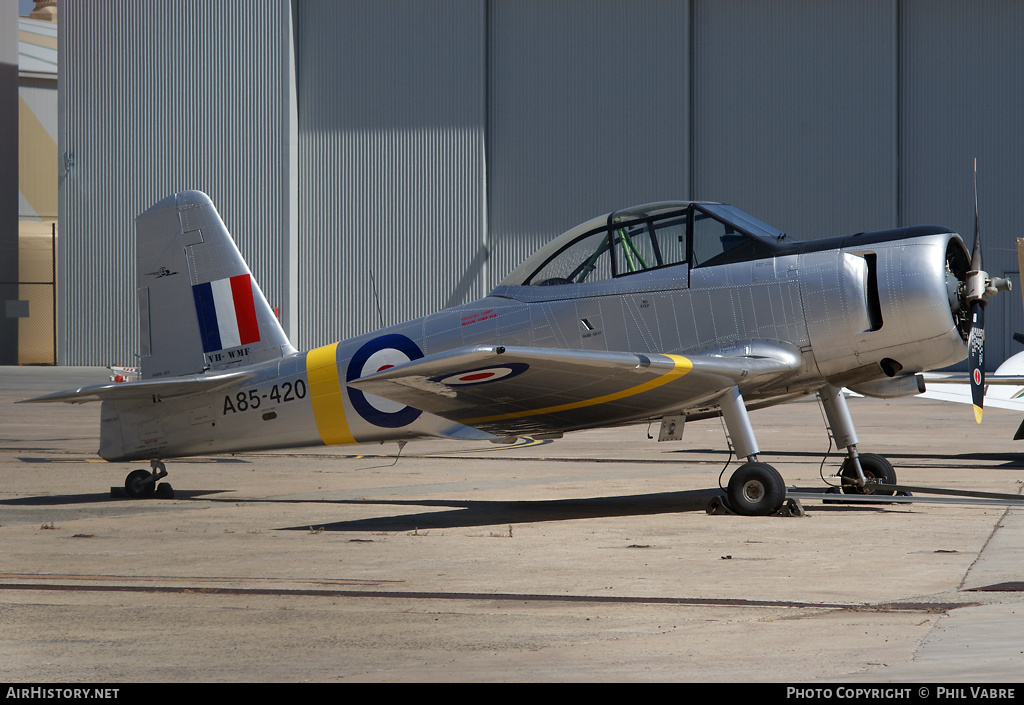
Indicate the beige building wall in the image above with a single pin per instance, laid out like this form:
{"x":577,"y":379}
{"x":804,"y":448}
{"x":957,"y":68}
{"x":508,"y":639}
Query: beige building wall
{"x":37,"y":291}
{"x":37,"y":190}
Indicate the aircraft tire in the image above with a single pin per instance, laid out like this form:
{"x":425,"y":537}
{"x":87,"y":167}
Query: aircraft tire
{"x":875,"y":467}
{"x":139,"y":484}
{"x":756,"y":489}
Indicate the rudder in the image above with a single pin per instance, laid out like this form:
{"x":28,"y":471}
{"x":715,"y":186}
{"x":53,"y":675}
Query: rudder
{"x":200,"y":308}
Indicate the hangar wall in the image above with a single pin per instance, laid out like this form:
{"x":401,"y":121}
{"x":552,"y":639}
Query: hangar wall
{"x":391,"y":161}
{"x":795,"y":112}
{"x":962,"y":97}
{"x":157,"y":98}
{"x":588,"y":111}
{"x":422,"y":149}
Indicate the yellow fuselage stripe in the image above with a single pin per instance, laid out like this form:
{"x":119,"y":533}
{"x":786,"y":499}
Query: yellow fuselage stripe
{"x":682,"y":366}
{"x":325,"y":395}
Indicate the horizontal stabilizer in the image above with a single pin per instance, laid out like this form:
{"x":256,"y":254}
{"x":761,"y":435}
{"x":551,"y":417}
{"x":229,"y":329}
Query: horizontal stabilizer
{"x":171,"y":387}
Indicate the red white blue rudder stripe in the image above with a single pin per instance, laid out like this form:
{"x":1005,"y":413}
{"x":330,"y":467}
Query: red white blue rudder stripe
{"x":226,"y":312}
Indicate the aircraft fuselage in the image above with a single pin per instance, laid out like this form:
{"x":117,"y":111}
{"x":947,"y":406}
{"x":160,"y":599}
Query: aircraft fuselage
{"x":853,"y":309}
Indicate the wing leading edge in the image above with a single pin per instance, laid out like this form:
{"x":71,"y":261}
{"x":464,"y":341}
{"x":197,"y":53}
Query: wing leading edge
{"x":517,"y":390}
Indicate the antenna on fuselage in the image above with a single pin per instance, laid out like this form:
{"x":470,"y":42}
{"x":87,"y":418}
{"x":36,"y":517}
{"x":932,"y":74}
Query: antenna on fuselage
{"x":373,"y":287}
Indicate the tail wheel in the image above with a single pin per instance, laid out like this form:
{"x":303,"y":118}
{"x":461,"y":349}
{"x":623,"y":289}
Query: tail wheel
{"x":876,"y":469}
{"x":140,"y":484}
{"x":756,"y":489}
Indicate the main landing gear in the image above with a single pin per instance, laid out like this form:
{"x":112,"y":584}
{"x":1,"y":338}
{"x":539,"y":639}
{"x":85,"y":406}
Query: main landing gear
{"x":142,"y":484}
{"x":757,"y":489}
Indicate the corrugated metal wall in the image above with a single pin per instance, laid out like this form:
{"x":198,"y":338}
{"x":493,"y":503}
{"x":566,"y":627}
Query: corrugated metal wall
{"x":391,"y":161}
{"x":440,"y":141}
{"x":795,"y":112}
{"x":588,"y":112}
{"x":962,"y":97}
{"x":156,"y":98}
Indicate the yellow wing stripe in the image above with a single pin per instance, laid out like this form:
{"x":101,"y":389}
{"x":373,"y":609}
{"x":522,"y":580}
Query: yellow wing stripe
{"x":681,"y":367}
{"x":325,"y":395}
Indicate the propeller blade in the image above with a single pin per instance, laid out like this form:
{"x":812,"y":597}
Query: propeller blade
{"x":976,"y":291}
{"x":976,"y":357}
{"x":977,"y":286}
{"x":976,"y":252}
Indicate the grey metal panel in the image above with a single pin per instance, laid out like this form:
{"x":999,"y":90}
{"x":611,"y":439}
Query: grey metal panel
{"x":391,"y":110}
{"x":157,"y":98}
{"x":8,"y":179}
{"x":795,"y":112}
{"x":587,"y":113}
{"x":963,"y":98}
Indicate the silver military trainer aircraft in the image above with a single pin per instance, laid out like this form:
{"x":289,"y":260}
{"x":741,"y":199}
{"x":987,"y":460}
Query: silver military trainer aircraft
{"x":673,"y":311}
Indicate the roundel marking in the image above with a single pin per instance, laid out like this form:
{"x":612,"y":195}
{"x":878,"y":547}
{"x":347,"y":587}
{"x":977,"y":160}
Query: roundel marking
{"x":977,"y":376}
{"x":482,"y":375}
{"x":376,"y":355}
{"x":379,"y":361}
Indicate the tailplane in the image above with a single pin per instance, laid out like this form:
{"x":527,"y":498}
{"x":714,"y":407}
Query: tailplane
{"x":200,"y":308}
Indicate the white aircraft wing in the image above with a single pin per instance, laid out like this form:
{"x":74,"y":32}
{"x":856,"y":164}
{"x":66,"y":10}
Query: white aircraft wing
{"x":1004,"y":388}
{"x":516,"y":390}
{"x":1002,"y":394}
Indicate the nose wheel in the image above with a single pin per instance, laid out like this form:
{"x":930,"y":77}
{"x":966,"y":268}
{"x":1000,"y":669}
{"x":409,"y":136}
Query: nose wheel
{"x":877,"y":471}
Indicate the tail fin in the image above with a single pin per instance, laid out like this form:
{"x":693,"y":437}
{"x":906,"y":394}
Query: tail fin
{"x":199,"y":305}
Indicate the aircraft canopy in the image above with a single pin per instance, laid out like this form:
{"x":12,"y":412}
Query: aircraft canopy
{"x":642,"y":238}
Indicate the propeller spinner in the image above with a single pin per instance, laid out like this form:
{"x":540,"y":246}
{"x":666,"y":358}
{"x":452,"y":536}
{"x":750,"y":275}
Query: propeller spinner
{"x":979,"y":286}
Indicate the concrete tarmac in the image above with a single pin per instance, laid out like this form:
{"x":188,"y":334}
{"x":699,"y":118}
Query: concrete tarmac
{"x":586,"y":559}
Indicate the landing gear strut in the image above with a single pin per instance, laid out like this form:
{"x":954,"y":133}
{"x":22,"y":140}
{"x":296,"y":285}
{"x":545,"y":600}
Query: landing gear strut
{"x":861,"y":474}
{"x":142,"y":484}
{"x":755,"y":488}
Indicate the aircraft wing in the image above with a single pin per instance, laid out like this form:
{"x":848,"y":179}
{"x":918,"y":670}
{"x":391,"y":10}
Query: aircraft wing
{"x":516,"y":390}
{"x":170,"y":387}
{"x":1003,"y":392}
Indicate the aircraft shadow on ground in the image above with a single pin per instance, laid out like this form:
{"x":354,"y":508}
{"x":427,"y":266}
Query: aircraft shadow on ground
{"x":456,"y":513}
{"x":56,"y":500}
{"x":470,"y":513}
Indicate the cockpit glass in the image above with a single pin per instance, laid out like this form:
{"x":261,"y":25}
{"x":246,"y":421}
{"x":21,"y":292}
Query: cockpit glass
{"x":712,"y":237}
{"x":744,"y":220}
{"x":625,"y":246}
{"x":646,"y":237}
{"x":586,"y":260}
